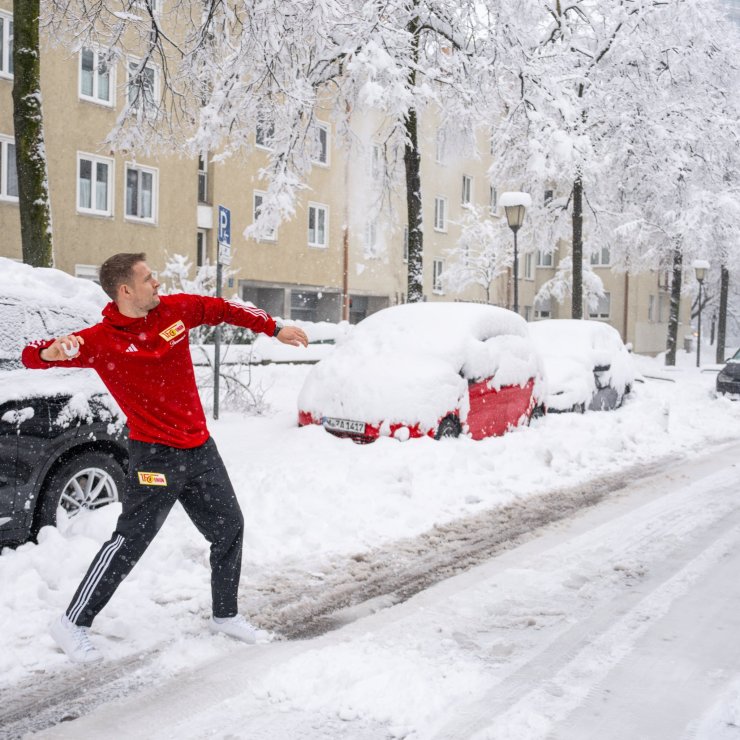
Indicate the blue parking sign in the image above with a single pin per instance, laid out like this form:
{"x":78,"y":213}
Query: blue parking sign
{"x":224,"y":226}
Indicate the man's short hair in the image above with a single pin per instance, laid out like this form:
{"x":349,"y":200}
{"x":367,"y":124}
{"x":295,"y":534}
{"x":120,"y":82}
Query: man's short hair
{"x":117,"y":270}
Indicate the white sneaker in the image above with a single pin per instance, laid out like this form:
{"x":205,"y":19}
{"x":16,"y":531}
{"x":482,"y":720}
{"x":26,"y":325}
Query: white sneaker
{"x":74,"y":641}
{"x":239,"y":628}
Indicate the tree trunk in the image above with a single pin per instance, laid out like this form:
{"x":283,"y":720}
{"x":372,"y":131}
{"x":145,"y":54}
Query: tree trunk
{"x":412,"y":161}
{"x":577,"y":249}
{"x":672,"y":340}
{"x":30,"y":152}
{"x":724,"y":289}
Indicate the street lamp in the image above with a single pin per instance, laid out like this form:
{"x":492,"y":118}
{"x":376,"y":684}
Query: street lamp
{"x":515,"y":204}
{"x":700,"y":269}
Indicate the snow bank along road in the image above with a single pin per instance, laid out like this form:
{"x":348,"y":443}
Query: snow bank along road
{"x":621,"y":621}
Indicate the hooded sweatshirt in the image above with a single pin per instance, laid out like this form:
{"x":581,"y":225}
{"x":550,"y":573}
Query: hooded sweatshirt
{"x":145,"y":363}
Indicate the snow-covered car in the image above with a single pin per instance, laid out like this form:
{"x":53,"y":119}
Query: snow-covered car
{"x":586,"y":364}
{"x":426,"y":369}
{"x":62,"y":446}
{"x":728,"y":378}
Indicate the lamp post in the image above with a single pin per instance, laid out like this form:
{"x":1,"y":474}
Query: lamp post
{"x":515,"y":204}
{"x":700,"y":269}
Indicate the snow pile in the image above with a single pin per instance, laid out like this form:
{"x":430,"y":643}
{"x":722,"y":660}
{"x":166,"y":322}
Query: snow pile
{"x":411,"y":363}
{"x":570,"y":350}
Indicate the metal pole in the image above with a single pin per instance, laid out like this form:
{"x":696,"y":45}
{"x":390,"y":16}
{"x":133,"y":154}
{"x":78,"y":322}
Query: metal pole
{"x":516,"y":275}
{"x":698,"y":334}
{"x":217,"y":347}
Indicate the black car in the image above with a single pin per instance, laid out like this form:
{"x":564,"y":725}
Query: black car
{"x":62,"y":440}
{"x":728,"y":379}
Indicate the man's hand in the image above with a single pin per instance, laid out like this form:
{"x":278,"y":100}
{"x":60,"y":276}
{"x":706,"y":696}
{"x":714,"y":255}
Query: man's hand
{"x":293,"y":335}
{"x":62,"y":349}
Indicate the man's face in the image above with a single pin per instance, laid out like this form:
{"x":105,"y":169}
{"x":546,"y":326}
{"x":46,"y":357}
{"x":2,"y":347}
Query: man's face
{"x":142,"y":290}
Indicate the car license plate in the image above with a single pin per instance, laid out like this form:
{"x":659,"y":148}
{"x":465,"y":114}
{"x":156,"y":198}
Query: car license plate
{"x":344,"y":425}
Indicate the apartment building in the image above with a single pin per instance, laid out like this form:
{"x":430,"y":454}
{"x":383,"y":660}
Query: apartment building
{"x":344,"y":230}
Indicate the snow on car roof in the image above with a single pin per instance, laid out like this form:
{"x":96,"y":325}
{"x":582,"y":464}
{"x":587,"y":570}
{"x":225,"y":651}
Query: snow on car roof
{"x":48,"y":287}
{"x":411,"y":363}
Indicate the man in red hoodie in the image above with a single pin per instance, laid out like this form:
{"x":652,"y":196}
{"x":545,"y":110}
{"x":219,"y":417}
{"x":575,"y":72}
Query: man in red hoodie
{"x":141,"y":352}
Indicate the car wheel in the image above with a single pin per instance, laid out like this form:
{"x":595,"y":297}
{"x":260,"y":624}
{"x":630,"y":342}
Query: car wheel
{"x":85,"y":482}
{"x":448,"y":427}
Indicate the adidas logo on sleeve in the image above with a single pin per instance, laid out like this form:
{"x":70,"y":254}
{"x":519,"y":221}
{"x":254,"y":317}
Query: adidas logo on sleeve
{"x":132,"y":348}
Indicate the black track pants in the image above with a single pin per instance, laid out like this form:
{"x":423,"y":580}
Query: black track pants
{"x":158,"y":476}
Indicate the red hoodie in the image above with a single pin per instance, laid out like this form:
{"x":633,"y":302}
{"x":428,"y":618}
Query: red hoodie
{"x":145,"y":363}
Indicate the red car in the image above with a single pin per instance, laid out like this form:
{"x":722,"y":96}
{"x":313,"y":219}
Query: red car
{"x":426,"y":369}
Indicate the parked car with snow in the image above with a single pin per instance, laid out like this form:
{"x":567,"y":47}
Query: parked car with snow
{"x":586,"y":364}
{"x":728,"y":378}
{"x":426,"y":369}
{"x":62,"y":446}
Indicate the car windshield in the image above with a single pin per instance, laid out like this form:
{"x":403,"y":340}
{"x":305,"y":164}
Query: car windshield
{"x":736,"y":356}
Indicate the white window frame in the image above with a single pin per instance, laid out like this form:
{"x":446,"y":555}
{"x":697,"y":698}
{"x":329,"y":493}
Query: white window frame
{"x":528,"y":266}
{"x":544,"y":259}
{"x":130,"y":61}
{"x":318,"y":207}
{"x":467,"y":190}
{"x":653,"y":309}
{"x":371,"y":234}
{"x":597,"y":258}
{"x":492,"y":199}
{"x":5,"y":143}
{"x":548,"y":196}
{"x":440,"y":213}
{"x":600,"y":315}
{"x":154,"y":172}
{"x":543,"y":309}
{"x":203,"y":177}
{"x":438,"y":268}
{"x":7,"y":45}
{"x":439,"y":147}
{"x":88,"y":272}
{"x":261,"y":194}
{"x":201,"y":247}
{"x":96,"y":67}
{"x":320,"y":126}
{"x":95,"y":160}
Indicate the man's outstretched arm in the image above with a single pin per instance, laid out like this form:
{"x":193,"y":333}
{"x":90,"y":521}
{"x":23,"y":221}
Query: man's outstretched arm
{"x":66,"y":351}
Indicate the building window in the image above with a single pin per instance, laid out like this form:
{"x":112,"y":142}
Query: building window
{"x":440,"y":213}
{"x":603,"y":310}
{"x":543,"y":309}
{"x":6,"y":45}
{"x":467,"y":190}
{"x":492,"y":199}
{"x":321,"y":151}
{"x":371,"y":234}
{"x":405,"y":243}
{"x":142,"y":86}
{"x":201,"y":248}
{"x":437,"y":270}
{"x":259,"y":199}
{"x":304,"y":305}
{"x":528,"y":313}
{"x":548,"y":197}
{"x":528,"y":271}
{"x":202,"y":178}
{"x":96,"y":84}
{"x":264,"y":134}
{"x":94,"y":185}
{"x":318,"y":220}
{"x":601,"y":257}
{"x":376,"y":162}
{"x":141,"y":193}
{"x":440,"y":146}
{"x":653,"y":308}
{"x":8,"y":174}
{"x":544,"y":259}
{"x":88,"y":272}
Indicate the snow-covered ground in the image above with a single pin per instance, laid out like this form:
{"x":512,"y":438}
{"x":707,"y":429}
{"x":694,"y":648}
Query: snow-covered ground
{"x":311,"y":499}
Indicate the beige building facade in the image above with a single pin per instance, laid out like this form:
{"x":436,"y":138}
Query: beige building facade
{"x":343,"y":231}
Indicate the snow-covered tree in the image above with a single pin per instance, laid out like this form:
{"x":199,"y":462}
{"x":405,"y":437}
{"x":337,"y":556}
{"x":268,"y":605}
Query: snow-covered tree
{"x":483,"y":252}
{"x":560,"y":286}
{"x":229,"y":69}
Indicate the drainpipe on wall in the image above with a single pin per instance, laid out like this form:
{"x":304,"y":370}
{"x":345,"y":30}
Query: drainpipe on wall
{"x":626,"y":305}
